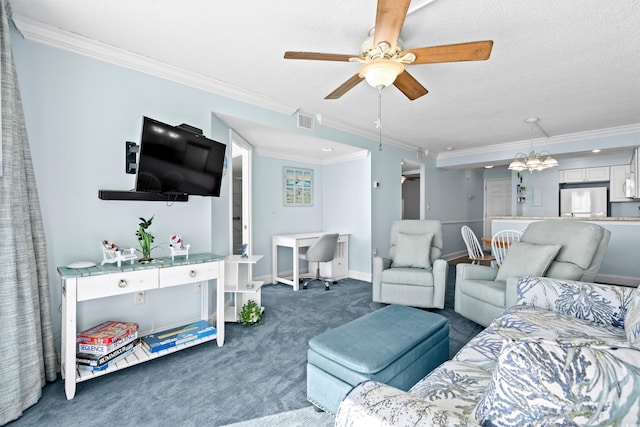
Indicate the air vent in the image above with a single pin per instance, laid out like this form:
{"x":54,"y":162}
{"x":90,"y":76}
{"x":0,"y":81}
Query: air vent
{"x":305,"y":122}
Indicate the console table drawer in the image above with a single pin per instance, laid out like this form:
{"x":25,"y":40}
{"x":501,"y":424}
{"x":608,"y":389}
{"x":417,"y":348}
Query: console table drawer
{"x":188,"y":274}
{"x":116,"y":284}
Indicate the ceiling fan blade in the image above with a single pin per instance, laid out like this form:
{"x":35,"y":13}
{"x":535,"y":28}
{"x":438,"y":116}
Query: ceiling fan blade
{"x":345,"y":87}
{"x":472,"y":51}
{"x":409,"y":86}
{"x":315,"y":56}
{"x":389,"y":19}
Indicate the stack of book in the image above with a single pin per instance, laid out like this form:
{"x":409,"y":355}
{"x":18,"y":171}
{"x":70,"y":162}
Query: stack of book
{"x":105,"y":344}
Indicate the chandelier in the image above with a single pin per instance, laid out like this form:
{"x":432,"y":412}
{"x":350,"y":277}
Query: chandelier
{"x":533,"y":161}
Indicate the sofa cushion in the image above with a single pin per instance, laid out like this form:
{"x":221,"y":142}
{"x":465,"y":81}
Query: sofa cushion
{"x":547,"y":382}
{"x":632,"y":321}
{"x":455,"y":386}
{"x":596,"y":303}
{"x":527,"y":259}
{"x":412,"y":250}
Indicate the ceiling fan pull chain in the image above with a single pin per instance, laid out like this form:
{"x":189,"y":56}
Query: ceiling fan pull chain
{"x":380,"y":118}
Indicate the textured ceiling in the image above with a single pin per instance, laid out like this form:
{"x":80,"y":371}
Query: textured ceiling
{"x":573,"y":63}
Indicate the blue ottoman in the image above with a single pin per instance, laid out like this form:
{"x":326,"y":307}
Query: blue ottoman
{"x":395,"y":345}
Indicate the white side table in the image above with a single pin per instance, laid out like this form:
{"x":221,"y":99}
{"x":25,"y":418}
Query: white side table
{"x":238,"y":282}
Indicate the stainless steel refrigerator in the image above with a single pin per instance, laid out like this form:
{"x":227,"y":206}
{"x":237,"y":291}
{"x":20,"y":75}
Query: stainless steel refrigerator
{"x":584,"y":202}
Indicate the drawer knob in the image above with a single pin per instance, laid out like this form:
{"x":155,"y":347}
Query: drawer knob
{"x":192,"y":273}
{"x":122,"y":283}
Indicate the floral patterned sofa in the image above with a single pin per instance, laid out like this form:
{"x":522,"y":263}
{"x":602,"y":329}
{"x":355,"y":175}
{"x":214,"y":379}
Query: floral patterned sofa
{"x":567,"y":354}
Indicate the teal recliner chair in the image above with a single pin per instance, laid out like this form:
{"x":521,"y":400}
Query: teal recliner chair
{"x":414,"y":275}
{"x":562,"y":249}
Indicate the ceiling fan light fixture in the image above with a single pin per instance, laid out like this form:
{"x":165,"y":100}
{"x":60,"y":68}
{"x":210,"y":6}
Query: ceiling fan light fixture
{"x":381,"y":72}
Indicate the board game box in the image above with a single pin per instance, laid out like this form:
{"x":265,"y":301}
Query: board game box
{"x":110,"y":363}
{"x":178,"y":336}
{"x":101,"y":349}
{"x":98,"y":360}
{"x":107,"y":333}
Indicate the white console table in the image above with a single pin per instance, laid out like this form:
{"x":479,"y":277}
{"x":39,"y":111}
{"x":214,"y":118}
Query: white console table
{"x":336,"y":269}
{"x":82,"y":284}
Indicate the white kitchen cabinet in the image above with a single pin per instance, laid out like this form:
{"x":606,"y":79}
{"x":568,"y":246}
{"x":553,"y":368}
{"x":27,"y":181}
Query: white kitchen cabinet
{"x":597,"y":174}
{"x":619,"y":175}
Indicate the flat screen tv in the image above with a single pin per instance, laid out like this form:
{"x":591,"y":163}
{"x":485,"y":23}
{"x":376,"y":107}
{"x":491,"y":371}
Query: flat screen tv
{"x":178,"y":160}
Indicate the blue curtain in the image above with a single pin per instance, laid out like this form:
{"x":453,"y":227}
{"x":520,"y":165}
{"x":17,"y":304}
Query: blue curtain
{"x":27,"y":354}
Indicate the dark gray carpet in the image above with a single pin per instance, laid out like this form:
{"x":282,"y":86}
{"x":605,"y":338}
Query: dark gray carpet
{"x":260,"y":370}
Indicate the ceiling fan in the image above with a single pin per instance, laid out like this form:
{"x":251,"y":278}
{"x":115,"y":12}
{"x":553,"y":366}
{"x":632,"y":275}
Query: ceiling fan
{"x":383,"y":58}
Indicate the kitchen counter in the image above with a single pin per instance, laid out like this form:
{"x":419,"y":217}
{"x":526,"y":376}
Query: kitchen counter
{"x":621,"y":262}
{"x":570,"y":218}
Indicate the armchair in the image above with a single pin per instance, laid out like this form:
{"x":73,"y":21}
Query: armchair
{"x":562,"y":249}
{"x":414,"y":275}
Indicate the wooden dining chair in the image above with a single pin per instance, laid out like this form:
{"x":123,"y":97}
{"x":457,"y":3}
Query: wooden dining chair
{"x":500,"y":243}
{"x":474,"y":250}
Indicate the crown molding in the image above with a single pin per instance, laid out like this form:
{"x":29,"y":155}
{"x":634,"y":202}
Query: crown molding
{"x":278,"y":154}
{"x":56,"y":37}
{"x":553,"y":140}
{"x":356,"y":130}
{"x":42,"y":33}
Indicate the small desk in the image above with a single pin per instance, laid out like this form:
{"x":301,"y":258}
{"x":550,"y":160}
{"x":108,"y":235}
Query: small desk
{"x":337,"y":269}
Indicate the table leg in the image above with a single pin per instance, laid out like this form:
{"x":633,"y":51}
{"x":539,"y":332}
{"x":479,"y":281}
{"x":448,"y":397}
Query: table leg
{"x":274,"y":262}
{"x":69,"y":337}
{"x":220,"y":304}
{"x":296,"y":267}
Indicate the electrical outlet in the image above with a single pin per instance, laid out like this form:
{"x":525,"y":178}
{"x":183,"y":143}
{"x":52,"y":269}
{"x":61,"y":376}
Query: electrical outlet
{"x":139,"y":298}
{"x":197,"y":288}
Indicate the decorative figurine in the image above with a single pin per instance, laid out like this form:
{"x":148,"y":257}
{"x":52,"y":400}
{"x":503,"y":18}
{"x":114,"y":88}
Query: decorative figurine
{"x":178,"y":247}
{"x":244,"y":250}
{"x":112,"y":253}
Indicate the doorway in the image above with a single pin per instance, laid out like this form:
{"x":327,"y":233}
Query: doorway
{"x":497,"y":201}
{"x":240,"y":194}
{"x":410,"y":180}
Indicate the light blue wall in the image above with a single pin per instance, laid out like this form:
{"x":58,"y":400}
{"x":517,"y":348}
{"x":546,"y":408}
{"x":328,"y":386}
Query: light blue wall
{"x":386,"y":200}
{"x":79,"y":114}
{"x":349,"y":209}
{"x":455,"y":197}
{"x":270,"y":216}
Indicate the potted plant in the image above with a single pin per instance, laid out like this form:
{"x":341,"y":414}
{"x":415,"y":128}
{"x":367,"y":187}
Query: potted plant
{"x":145,"y":239}
{"x":251,"y":314}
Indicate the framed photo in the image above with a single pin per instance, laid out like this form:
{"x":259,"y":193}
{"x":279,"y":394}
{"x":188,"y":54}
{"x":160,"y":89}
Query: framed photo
{"x":298,"y":186}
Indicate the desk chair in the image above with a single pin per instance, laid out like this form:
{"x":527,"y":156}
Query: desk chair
{"x":322,"y":250}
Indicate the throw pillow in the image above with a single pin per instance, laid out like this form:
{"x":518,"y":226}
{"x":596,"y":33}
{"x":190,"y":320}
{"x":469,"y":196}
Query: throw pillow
{"x":527,"y":259}
{"x":412,"y":250}
{"x":543,"y":382}
{"x":632,"y":319}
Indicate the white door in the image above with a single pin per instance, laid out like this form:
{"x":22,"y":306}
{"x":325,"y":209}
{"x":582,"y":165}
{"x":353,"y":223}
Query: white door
{"x":240,"y":205}
{"x":497,"y":201}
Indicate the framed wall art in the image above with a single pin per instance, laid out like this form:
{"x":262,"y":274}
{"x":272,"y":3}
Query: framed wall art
{"x":298,"y":186}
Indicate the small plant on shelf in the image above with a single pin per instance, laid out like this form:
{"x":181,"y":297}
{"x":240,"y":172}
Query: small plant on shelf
{"x":145,"y":238}
{"x":251,"y":314}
